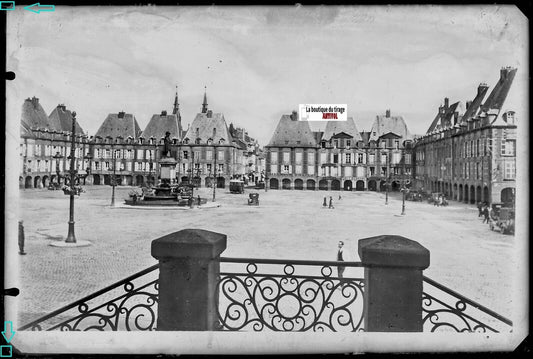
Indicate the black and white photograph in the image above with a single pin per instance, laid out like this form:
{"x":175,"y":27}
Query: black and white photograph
{"x":265,"y":179}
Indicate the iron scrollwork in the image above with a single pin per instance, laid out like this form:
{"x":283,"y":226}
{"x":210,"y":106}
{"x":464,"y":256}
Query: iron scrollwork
{"x":438,"y":315}
{"x":135,"y":309}
{"x":289,"y":302}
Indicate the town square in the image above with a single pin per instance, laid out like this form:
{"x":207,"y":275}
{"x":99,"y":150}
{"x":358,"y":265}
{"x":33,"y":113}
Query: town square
{"x":245,"y":181}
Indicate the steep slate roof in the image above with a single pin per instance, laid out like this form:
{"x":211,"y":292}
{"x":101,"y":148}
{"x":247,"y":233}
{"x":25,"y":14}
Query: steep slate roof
{"x":160,"y":124}
{"x":119,"y":125}
{"x":336,"y":127}
{"x":499,"y":92}
{"x":445,"y":117}
{"x":476,"y":103}
{"x":61,"y":120}
{"x":394,"y":124}
{"x":205,"y":126}
{"x":289,"y":131}
{"x":33,"y":116}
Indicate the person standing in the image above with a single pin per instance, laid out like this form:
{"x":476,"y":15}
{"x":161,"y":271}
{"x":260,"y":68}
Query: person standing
{"x":21,"y":238}
{"x":486,"y":214}
{"x":480,"y":209}
{"x":340,"y":258}
{"x":331,"y":202}
{"x":325,"y":204}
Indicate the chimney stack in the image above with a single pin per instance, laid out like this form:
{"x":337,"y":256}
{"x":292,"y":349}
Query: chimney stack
{"x":163,"y":113}
{"x":387,"y":113}
{"x":294,"y":115}
{"x":446,"y":103}
{"x":468,"y":104}
{"x":209,"y":113}
{"x":482,"y":86}
{"x":121,"y":114}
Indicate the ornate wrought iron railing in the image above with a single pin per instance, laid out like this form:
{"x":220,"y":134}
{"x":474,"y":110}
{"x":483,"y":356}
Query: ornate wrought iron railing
{"x":270,"y":296}
{"x":463,"y":315}
{"x":130,"y":304}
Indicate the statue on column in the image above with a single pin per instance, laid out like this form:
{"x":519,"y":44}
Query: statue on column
{"x":166,"y":148}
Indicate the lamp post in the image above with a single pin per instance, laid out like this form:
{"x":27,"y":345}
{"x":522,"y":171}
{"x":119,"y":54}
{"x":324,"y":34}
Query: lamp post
{"x":387,"y":177}
{"x":113,"y":178}
{"x":214,"y":172}
{"x":73,"y":180}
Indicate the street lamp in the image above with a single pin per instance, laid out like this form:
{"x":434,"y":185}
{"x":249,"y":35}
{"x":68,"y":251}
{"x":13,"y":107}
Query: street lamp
{"x":71,"y":182}
{"x":214,"y":172}
{"x":113,"y":178}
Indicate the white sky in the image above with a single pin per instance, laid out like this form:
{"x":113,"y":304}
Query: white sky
{"x":261,"y":62}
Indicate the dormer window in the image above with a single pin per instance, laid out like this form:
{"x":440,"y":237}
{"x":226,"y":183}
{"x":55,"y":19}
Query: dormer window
{"x":152,"y":140}
{"x":221,"y":141}
{"x":209,"y":141}
{"x":186,"y":141}
{"x":198,"y":140}
{"x":323,"y":144}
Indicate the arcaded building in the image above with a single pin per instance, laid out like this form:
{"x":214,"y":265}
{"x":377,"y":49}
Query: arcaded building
{"x":121,"y":150}
{"x":340,"y":157}
{"x":470,"y":154}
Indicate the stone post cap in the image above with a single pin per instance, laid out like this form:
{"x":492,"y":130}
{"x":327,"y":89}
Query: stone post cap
{"x":189,"y":243}
{"x":393,"y":251}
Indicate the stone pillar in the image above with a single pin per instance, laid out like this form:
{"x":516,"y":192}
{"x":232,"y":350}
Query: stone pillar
{"x":189,"y":266}
{"x":393,"y":283}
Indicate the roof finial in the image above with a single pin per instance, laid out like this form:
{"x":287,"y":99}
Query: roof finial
{"x":204,"y":105}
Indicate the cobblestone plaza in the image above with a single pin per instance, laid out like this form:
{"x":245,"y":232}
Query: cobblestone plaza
{"x":465,"y":255}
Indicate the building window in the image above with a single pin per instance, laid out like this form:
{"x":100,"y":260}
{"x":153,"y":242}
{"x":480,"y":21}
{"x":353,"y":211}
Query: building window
{"x":407,"y":158}
{"x":298,"y":157}
{"x":383,"y":158}
{"x":359,"y":158}
{"x":397,"y":144}
{"x":335,"y":143}
{"x":371,"y":158}
{"x":348,"y":158}
{"x":372,"y":171}
{"x":510,"y":170}
{"x":348,"y":143}
{"x":273,"y":157}
{"x":298,"y":169}
{"x":310,"y":157}
{"x":508,"y":148}
{"x":384,"y":171}
{"x":209,"y":155}
{"x":285,"y":168}
{"x":286,"y":157}
{"x":196,"y":155}
{"x":323,"y":144}
{"x":335,"y":158}
{"x":185,"y":155}
{"x":310,"y":170}
{"x":220,"y":155}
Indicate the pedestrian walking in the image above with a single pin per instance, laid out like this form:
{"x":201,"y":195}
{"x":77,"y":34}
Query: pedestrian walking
{"x":480,"y":209}
{"x":198,"y":199}
{"x":340,"y":197}
{"x":486,"y":213}
{"x":21,"y":238}
{"x":325,"y":204}
{"x":331,"y":202}
{"x":340,"y":258}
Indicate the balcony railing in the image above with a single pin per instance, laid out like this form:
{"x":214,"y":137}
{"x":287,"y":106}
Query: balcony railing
{"x":289,"y":295}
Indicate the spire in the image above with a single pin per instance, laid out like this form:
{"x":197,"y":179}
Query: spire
{"x":204,"y":105}
{"x":176,"y":104}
